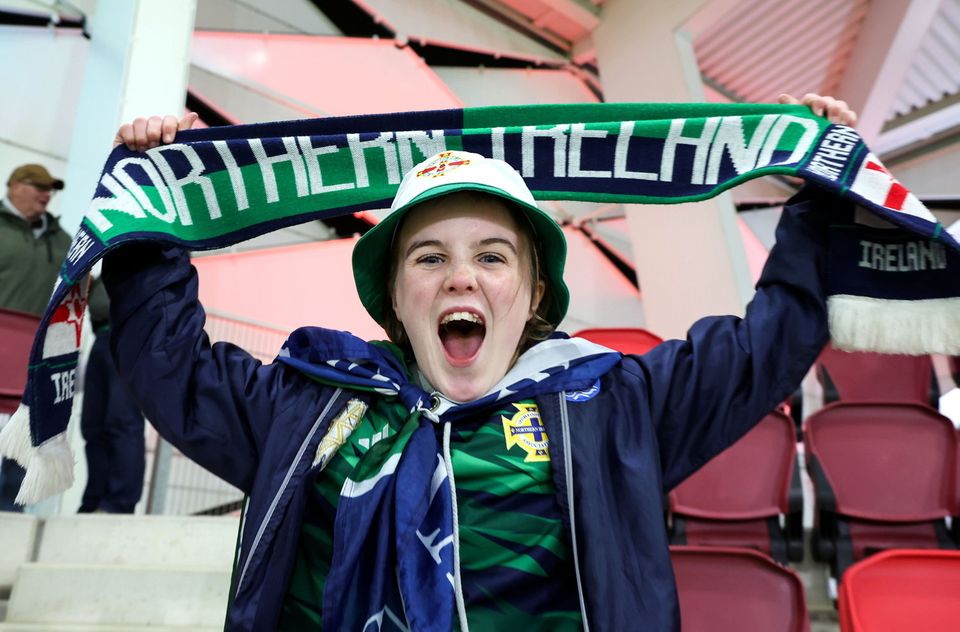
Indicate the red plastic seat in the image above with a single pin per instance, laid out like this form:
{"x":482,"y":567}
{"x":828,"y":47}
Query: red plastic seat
{"x":624,"y":340}
{"x":902,"y":590}
{"x":876,"y":377}
{"x":16,"y":336}
{"x":738,"y":497}
{"x":884,"y":475}
{"x":736,"y":590}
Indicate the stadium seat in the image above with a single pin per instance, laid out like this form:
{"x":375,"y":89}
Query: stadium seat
{"x":738,"y":498}
{"x":16,"y":336}
{"x":736,"y":590}
{"x":625,"y":340}
{"x":902,"y":590}
{"x":876,"y":377}
{"x":884,"y":476}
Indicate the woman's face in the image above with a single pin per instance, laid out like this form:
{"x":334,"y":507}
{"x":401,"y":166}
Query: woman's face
{"x":463,"y":291}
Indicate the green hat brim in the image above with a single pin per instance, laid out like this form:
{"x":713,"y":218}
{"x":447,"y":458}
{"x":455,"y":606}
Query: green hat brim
{"x":372,"y":252}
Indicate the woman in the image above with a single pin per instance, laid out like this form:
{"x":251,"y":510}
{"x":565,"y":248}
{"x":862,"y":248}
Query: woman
{"x":468,"y":475}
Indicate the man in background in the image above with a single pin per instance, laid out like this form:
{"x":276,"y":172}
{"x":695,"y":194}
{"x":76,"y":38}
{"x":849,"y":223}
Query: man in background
{"x":32,"y":247}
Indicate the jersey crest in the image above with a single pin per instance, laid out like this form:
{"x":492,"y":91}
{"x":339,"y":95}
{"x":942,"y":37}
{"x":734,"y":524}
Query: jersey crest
{"x":524,"y":429}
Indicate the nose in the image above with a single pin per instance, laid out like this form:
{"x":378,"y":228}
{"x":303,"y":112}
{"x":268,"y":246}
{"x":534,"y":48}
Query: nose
{"x":461,"y":278}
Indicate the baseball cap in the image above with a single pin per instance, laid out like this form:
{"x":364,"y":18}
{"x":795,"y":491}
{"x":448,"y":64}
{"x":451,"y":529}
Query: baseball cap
{"x":35,"y":174}
{"x":442,"y":174}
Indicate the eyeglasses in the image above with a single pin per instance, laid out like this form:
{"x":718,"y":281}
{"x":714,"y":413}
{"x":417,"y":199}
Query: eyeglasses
{"x":43,"y":188}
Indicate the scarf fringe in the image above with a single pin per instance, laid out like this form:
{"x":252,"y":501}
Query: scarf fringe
{"x":15,"y":437}
{"x":859,"y":323}
{"x":49,"y":466}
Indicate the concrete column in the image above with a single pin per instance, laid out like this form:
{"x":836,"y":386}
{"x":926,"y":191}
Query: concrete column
{"x":690,"y":259}
{"x":136,"y":66}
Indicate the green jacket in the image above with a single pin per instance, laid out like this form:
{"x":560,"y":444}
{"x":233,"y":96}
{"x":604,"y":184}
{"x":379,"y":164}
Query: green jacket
{"x":28,"y":264}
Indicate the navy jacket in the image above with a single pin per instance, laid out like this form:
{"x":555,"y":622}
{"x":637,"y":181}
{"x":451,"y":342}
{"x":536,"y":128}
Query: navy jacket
{"x":656,"y":419}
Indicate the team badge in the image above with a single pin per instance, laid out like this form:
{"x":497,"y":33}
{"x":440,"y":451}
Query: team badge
{"x":441,"y":163}
{"x":525,"y":430}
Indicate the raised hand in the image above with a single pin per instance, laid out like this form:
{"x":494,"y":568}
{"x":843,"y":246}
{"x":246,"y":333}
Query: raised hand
{"x":146,"y":133}
{"x":835,"y":110}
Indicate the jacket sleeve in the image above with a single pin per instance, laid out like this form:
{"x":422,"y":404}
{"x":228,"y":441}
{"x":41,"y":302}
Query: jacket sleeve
{"x":215,"y":403}
{"x":705,"y":392}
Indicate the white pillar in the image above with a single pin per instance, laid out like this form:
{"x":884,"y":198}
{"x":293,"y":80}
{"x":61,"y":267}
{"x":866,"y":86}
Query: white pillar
{"x":690,"y":258}
{"x":136,"y":66}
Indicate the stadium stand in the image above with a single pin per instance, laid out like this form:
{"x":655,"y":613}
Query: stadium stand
{"x":884,"y":476}
{"x":737,"y":590}
{"x":730,"y":503}
{"x":625,"y":340}
{"x":873,"y":377}
{"x":16,"y":336}
{"x":902,"y":590}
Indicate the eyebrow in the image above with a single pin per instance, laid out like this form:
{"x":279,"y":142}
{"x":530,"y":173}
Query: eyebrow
{"x":435,"y":243}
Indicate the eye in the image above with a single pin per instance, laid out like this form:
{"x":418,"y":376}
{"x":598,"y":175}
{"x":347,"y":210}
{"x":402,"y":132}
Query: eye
{"x":491,"y":258}
{"x":429,"y":259}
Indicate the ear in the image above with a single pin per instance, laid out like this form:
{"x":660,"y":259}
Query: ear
{"x":536,"y":297}
{"x":393,"y":303}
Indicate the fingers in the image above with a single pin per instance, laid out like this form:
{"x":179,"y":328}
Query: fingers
{"x":788,"y":99}
{"x":146,"y":133}
{"x":188,"y":121}
{"x":834,"y":110}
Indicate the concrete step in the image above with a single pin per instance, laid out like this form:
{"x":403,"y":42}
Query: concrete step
{"x":18,"y":533}
{"x":172,"y":541}
{"x":136,"y":595}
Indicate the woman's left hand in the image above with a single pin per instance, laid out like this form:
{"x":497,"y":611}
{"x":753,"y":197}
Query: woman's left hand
{"x":835,"y":110}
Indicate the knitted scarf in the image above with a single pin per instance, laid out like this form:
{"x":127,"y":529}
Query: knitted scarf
{"x":892,"y":287}
{"x":395,"y":531}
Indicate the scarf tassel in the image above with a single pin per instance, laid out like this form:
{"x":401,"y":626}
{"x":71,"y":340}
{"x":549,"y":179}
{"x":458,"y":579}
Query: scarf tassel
{"x":859,"y":323}
{"x":49,"y":465}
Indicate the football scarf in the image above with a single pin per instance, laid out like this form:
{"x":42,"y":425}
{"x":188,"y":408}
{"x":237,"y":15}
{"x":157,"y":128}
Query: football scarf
{"x":394,"y":535}
{"x":893,"y":288}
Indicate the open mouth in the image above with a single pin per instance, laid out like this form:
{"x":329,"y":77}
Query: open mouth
{"x":461,"y":334}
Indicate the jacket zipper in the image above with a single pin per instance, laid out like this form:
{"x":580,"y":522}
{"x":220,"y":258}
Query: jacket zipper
{"x":283,"y":486}
{"x":568,"y":479}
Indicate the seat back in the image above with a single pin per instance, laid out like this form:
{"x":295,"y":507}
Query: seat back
{"x":736,"y":590}
{"x":625,"y":339}
{"x":891,"y":462}
{"x":16,"y":337}
{"x":748,"y":480}
{"x":902,"y":589}
{"x":874,"y":377}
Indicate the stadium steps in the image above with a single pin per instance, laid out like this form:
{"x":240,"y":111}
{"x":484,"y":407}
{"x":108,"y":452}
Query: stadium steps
{"x":111,"y":573}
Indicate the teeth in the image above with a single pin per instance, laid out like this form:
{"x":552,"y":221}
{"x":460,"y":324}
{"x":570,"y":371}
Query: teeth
{"x":467,"y":316}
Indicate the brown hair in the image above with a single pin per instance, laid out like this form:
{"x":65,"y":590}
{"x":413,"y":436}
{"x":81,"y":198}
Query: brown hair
{"x":537,"y":327}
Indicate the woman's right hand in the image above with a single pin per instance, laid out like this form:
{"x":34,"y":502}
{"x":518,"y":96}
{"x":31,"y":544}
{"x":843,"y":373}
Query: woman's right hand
{"x":146,"y":133}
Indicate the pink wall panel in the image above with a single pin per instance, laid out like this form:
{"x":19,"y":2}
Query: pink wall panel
{"x":288,"y":287}
{"x":336,"y":75}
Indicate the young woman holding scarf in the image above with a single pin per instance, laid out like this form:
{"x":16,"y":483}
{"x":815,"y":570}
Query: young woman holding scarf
{"x":481,"y":471}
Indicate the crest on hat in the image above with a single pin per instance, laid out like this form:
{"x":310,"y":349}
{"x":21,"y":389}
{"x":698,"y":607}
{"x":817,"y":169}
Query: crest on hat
{"x":441,"y":163}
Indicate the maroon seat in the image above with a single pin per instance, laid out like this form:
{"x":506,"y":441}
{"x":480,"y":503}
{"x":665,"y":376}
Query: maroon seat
{"x":739,"y":497}
{"x":876,"y":377}
{"x":736,"y":590}
{"x":16,"y":336}
{"x":884,"y":476}
{"x":625,"y":340}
